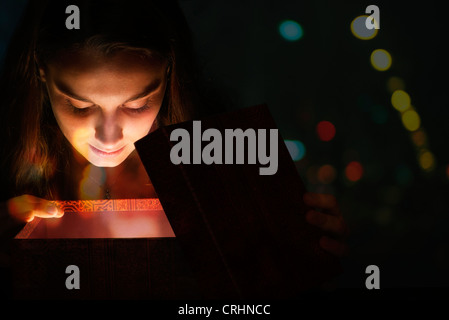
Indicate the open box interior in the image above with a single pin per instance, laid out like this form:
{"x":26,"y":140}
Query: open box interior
{"x":123,"y":218}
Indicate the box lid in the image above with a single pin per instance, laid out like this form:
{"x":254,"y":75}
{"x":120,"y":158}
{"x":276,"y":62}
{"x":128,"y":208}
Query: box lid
{"x":244,"y":233}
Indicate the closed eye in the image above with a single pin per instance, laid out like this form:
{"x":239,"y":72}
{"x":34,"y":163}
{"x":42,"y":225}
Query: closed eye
{"x":139,"y":110}
{"x":76,"y":110}
{"x":87,"y":110}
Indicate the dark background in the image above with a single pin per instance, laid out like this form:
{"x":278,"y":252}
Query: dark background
{"x":397,"y":212}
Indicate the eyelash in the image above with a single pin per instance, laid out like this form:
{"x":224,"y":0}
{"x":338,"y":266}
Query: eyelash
{"x":80,"y":111}
{"x":83,"y":111}
{"x":139,"y":110}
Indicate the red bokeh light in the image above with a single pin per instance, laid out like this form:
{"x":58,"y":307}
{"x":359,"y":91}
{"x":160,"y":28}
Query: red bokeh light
{"x":354,"y":171}
{"x":325,"y":130}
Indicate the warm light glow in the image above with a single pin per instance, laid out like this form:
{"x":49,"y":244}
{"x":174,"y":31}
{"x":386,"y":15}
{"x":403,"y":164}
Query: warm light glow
{"x":359,"y":29}
{"x":92,"y":183}
{"x":354,"y":171}
{"x":326,"y":174}
{"x":411,"y":120}
{"x":80,"y":135}
{"x":400,"y":100}
{"x":325,"y":130}
{"x":380,"y":60}
{"x":395,"y":83}
{"x":447,"y":171}
{"x":419,"y":138}
{"x":290,"y":30}
{"x":118,"y":218}
{"x":296,"y":149}
{"x":426,"y":160}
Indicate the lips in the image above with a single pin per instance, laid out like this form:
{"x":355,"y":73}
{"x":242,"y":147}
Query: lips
{"x":104,"y":153}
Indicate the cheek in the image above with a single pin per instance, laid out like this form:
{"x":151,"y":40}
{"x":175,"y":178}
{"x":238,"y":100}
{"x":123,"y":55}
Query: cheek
{"x":138,"y":127}
{"x":76,"y":130}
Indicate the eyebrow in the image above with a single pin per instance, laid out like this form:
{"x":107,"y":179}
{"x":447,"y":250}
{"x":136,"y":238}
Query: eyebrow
{"x":148,"y":89}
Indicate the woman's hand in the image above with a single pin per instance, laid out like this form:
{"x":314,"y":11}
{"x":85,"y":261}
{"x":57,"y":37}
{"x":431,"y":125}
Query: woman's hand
{"x":24,"y":208}
{"x":330,"y":220}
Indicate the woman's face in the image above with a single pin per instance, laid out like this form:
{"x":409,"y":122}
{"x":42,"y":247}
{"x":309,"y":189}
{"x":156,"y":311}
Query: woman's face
{"x":104,"y":105}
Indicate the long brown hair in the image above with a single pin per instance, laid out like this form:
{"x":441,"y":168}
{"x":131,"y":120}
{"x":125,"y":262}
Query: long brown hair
{"x":35,"y":148}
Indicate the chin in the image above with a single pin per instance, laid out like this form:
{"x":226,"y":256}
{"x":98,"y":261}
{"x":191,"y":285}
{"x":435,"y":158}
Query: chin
{"x":107,"y":163}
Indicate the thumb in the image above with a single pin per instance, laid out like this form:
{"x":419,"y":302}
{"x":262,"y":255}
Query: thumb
{"x":46,"y":209}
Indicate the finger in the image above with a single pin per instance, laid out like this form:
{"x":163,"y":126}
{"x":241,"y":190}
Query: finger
{"x":26,"y":203}
{"x":29,"y":216}
{"x":45,"y":209}
{"x":45,"y":214}
{"x":328,"y":223}
{"x":334,"y":247}
{"x":25,"y":207}
{"x":322,"y":201}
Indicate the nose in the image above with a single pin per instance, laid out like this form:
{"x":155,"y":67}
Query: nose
{"x":108,"y":130}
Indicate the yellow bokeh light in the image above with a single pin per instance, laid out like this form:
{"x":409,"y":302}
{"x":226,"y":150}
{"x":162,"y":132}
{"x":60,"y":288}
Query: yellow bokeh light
{"x":359,"y":29}
{"x":380,"y":60}
{"x":400,"y":100}
{"x":411,"y":120}
{"x":426,"y":160}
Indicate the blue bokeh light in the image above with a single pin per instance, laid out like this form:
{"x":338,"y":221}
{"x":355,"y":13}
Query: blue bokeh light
{"x":296,"y":149}
{"x":290,"y":30}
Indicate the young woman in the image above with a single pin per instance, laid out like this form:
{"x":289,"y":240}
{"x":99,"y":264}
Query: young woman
{"x":76,"y":100}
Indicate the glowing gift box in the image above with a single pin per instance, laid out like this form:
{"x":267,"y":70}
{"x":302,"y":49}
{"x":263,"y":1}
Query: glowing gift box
{"x":240,"y":234}
{"x":123,"y":248}
{"x":117,"y":218}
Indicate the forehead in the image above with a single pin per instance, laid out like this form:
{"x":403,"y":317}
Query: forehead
{"x":92,"y":72}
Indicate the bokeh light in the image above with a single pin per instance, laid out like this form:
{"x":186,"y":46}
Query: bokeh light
{"x":447,"y":171}
{"x":359,"y":29}
{"x":411,"y":120}
{"x":354,"y":171}
{"x":296,"y":149}
{"x":400,"y":100}
{"x":326,"y":174}
{"x":419,"y":138}
{"x":381,"y":60}
{"x":325,"y":130}
{"x":291,"y":30}
{"x":395,"y":83}
{"x":426,"y":160}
